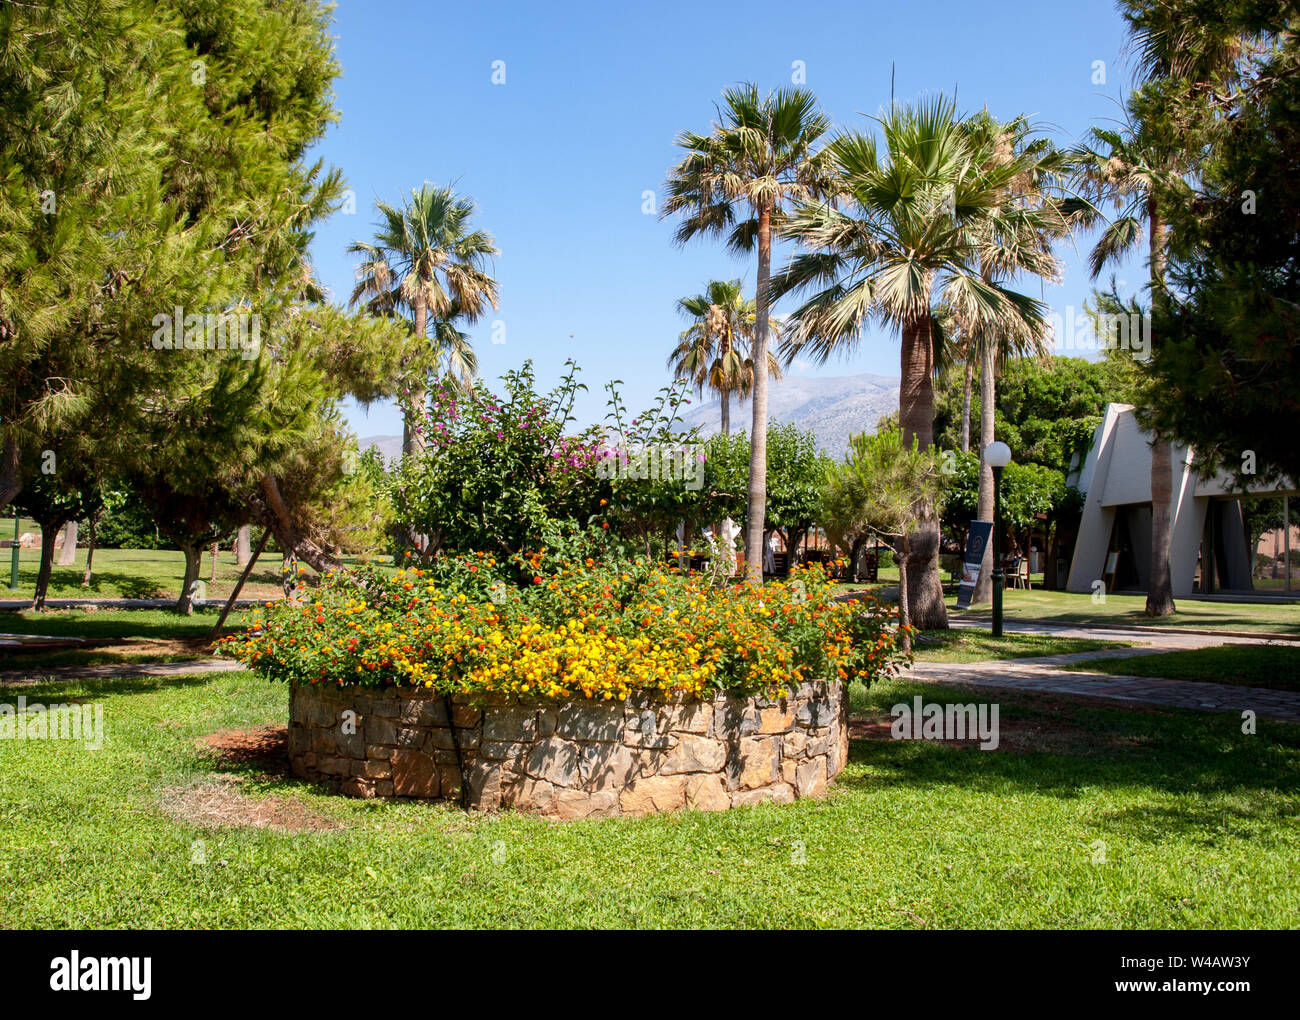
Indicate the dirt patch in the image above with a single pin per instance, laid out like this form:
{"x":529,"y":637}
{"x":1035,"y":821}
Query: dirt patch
{"x":219,"y":803}
{"x":260,"y":748}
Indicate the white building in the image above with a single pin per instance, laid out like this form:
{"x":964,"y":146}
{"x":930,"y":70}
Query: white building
{"x":1209,"y":545}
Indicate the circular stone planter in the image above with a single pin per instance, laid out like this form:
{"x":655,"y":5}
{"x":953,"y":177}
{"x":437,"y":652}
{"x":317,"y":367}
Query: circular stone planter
{"x":572,"y":759}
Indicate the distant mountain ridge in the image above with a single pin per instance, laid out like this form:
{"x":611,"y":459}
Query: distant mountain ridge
{"x":833,"y":407}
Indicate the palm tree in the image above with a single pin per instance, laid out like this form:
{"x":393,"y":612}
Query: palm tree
{"x":906,"y":229}
{"x":738,"y":181}
{"x":1014,"y":243}
{"x":1131,"y":171}
{"x":714,"y":352}
{"x":426,"y":262}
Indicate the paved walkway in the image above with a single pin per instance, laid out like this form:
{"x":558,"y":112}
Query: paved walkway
{"x":1050,"y":673}
{"x":114,"y":671}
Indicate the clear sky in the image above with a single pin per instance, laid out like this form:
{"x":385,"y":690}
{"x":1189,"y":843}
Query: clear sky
{"x":559,"y":156}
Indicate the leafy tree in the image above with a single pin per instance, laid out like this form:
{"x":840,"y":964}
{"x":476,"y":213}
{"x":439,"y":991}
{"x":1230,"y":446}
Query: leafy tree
{"x":1224,"y":374}
{"x":739,"y":180}
{"x":888,"y":486}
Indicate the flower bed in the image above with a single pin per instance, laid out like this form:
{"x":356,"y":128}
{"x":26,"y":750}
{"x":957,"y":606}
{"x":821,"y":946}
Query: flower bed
{"x":572,"y":759}
{"x":552,"y":638}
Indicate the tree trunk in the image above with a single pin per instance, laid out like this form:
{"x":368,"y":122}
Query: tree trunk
{"x":726,"y":412}
{"x":242,"y":538}
{"x":189,"y":586}
{"x":984,"y":504}
{"x":916,"y":420}
{"x":965,"y":405}
{"x":48,"y":530}
{"x":239,"y":585}
{"x":11,"y":477}
{"x":91,"y":527}
{"x":758,"y":434}
{"x":68,"y":554}
{"x":1160,"y":591}
{"x":904,"y":617}
{"x":280,"y":521}
{"x":413,"y":426}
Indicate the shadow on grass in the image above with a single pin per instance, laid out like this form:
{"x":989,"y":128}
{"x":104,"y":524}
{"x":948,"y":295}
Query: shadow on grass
{"x":1197,"y":756}
{"x":115,"y":623}
{"x":84,"y":688}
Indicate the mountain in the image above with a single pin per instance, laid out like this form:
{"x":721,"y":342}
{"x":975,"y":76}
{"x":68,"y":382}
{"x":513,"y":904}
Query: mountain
{"x":833,"y":408}
{"x":390,"y":447}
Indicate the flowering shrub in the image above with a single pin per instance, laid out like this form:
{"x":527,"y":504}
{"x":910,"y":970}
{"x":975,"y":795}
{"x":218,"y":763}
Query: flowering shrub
{"x":594,"y":628}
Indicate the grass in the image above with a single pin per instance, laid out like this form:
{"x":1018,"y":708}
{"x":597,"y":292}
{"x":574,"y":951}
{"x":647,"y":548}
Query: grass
{"x":1070,"y":607}
{"x":27,"y":661}
{"x":980,"y":646}
{"x":158,"y":624}
{"x":1198,"y":823}
{"x":1275,"y":666}
{"x":143,"y":574}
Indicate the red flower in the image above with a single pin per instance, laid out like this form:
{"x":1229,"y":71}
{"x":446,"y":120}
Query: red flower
{"x":537,"y":580}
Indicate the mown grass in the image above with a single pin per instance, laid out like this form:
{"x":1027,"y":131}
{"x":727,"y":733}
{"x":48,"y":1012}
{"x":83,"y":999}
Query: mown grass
{"x":159,"y":624}
{"x":1195,"y":820}
{"x":145,"y":574}
{"x":979,"y":646}
{"x":1274,"y":666}
{"x":1127,"y":610}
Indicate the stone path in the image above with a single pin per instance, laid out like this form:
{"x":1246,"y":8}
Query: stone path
{"x":114,"y":671}
{"x":1046,"y":674}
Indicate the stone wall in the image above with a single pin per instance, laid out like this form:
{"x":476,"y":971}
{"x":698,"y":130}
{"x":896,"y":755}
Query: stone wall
{"x":572,"y":759}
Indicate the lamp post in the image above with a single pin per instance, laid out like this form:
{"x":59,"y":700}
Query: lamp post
{"x":997,"y":456}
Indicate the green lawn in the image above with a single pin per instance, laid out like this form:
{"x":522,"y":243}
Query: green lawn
{"x":141,"y":574}
{"x":1275,"y":666}
{"x":157,"y":624}
{"x":1197,"y":820}
{"x":979,"y":646}
{"x":1069,"y":607}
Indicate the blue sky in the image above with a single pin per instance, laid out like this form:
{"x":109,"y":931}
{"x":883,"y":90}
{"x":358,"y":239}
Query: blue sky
{"x":558,"y":157}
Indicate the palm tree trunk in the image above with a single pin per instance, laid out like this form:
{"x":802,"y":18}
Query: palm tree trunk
{"x":1160,"y":593}
{"x":412,"y":427}
{"x":726,"y":412}
{"x":988,"y":405}
{"x":965,"y":405}
{"x":916,"y":420}
{"x":758,"y":434}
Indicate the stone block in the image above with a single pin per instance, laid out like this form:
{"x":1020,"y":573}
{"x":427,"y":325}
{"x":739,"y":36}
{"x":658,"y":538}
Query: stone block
{"x":707,"y":793}
{"x":589,"y":720}
{"x":511,"y":723}
{"x":414,"y":774}
{"x":695,"y":754}
{"x":554,"y":760}
{"x":654,"y":793}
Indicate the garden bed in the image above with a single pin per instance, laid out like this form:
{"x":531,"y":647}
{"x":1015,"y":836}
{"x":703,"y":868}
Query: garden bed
{"x":575,"y":758}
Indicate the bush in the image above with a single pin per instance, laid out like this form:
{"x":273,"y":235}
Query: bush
{"x":547,"y":625}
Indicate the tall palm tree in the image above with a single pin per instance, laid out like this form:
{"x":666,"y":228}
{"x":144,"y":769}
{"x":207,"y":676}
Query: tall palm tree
{"x":1131,"y":171}
{"x":906,"y":229}
{"x":715,"y":351}
{"x":738,"y":180}
{"x":426,"y":262}
{"x":1014,"y":243}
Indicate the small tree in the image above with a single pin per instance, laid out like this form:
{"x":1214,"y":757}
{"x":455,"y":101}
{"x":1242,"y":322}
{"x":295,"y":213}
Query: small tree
{"x":889,"y":488}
